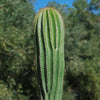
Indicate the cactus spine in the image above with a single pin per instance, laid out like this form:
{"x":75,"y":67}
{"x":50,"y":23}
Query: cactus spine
{"x":49,"y":32}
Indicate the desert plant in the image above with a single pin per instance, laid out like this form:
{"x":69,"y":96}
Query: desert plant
{"x":49,"y":32}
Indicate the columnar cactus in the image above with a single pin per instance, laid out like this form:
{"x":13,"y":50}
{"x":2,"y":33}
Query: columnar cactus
{"x":49,"y":32}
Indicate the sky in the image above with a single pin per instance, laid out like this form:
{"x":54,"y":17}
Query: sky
{"x":38,"y":4}
{"x":42,"y":3}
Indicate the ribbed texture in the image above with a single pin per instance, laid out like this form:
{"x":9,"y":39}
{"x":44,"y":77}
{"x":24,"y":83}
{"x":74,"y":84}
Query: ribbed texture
{"x":49,"y":32}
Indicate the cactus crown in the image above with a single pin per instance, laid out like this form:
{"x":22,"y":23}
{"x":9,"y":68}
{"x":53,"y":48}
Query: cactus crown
{"x":49,"y":32}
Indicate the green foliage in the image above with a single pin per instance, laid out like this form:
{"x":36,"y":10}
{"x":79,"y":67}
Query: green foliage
{"x":9,"y":94}
{"x":5,"y":93}
{"x":17,"y":48}
{"x":49,"y":30}
{"x":69,"y":96}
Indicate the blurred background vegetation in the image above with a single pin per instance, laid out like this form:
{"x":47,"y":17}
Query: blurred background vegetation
{"x":18,"y":75}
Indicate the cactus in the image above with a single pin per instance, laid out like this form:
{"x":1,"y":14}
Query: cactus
{"x":49,"y":33}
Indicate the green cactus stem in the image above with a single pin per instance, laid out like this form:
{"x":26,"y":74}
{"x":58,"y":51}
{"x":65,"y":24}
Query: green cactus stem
{"x":49,"y":32}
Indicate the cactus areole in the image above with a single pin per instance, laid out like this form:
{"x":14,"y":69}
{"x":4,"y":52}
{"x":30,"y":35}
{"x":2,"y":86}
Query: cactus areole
{"x":49,"y":34}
